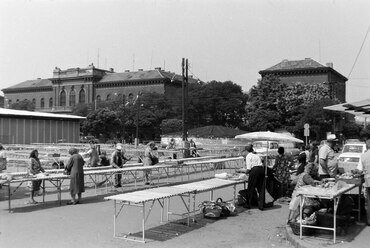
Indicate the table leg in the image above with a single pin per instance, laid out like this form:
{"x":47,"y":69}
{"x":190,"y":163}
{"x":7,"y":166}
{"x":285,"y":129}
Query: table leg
{"x":43,"y":191}
{"x":114,"y":218}
{"x":143,"y":223}
{"x":9,"y":196}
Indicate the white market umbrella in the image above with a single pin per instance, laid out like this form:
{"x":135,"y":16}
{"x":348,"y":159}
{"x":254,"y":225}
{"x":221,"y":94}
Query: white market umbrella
{"x":267,"y":136}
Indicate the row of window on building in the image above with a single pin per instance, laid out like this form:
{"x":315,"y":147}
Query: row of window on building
{"x":81,"y":99}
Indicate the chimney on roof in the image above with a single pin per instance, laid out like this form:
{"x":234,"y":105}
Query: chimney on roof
{"x":329,"y":64}
{"x":158,"y":68}
{"x":111,"y":69}
{"x":38,"y":78}
{"x":139,"y":69}
{"x":127,"y":70}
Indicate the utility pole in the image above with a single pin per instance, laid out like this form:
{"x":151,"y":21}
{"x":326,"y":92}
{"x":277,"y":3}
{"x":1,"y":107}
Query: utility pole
{"x":184,"y":66}
{"x":185,"y":69}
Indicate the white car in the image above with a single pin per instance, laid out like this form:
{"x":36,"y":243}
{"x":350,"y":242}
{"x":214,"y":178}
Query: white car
{"x":350,"y":156}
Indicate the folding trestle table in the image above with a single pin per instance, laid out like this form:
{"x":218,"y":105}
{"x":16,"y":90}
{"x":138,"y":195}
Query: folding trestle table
{"x":140,"y":198}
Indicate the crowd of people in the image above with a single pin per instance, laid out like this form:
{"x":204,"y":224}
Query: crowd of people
{"x":314,"y":165}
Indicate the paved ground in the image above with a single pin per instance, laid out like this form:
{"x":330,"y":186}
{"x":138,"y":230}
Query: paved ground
{"x":91,"y":225}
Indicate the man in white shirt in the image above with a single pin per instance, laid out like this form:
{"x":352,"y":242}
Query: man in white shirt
{"x":256,"y":173}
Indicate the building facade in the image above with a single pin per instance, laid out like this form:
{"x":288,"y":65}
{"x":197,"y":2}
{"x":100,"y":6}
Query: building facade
{"x":91,"y":85}
{"x":310,"y":71}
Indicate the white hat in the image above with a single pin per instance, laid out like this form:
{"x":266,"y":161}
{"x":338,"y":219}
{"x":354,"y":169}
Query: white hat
{"x":331,"y":137}
{"x":119,"y":147}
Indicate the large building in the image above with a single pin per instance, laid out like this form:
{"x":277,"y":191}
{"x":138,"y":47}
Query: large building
{"x":60,"y":93}
{"x":310,"y":71}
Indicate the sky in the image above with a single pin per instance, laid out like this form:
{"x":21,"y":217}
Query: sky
{"x":222,"y":39}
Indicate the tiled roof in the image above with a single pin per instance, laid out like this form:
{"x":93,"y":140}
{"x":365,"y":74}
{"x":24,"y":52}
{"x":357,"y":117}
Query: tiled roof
{"x":7,"y":112}
{"x":128,"y":76}
{"x":296,"y":64}
{"x":32,"y":83}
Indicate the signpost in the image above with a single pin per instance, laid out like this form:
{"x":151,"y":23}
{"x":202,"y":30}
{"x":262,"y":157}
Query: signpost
{"x":306,"y":131}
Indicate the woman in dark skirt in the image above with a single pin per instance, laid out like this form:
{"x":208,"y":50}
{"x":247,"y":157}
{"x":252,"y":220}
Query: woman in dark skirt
{"x":75,"y":168}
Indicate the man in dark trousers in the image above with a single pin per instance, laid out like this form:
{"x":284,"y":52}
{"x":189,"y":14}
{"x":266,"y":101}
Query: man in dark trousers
{"x":118,"y":160}
{"x":256,"y":173}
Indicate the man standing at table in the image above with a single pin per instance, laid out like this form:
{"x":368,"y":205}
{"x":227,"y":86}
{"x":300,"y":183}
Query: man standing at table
{"x":364,"y":166}
{"x":256,"y":173}
{"x":328,"y":164}
{"x":117,"y":161}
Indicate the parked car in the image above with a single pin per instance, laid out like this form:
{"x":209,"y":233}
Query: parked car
{"x":350,"y":156}
{"x":87,"y":139}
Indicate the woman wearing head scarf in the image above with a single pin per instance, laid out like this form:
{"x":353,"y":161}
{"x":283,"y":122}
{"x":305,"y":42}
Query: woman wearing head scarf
{"x":149,"y":159}
{"x":311,"y":204}
{"x":75,"y":168}
{"x":33,"y":169}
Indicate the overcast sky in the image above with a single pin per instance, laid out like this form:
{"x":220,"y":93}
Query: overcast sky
{"x":223,"y":39}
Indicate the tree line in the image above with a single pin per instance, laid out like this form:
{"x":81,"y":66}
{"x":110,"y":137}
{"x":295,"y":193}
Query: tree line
{"x":269,"y":105}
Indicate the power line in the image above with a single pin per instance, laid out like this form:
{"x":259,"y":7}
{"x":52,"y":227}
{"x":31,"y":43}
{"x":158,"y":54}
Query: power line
{"x":363,"y":42}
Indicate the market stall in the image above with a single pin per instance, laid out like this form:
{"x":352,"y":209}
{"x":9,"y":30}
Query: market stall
{"x":331,"y":191}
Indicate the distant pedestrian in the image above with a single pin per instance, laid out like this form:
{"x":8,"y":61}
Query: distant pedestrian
{"x":193,"y":149}
{"x":104,"y":161}
{"x":172,"y":146}
{"x":93,"y":155}
{"x":3,"y":161}
{"x":149,"y":159}
{"x":75,"y":169}
{"x":118,"y":160}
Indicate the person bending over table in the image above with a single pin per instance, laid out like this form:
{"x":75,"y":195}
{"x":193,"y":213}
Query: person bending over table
{"x":75,"y":168}
{"x":311,"y":204}
{"x":118,"y":160}
{"x":34,"y":168}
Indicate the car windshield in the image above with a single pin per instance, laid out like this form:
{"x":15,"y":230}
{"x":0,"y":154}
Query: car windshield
{"x":353,"y":148}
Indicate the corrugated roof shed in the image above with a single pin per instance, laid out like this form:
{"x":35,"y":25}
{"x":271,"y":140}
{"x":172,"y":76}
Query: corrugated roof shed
{"x":14,"y":112}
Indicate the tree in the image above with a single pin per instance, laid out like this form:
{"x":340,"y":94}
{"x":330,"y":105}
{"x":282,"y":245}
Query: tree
{"x":216,"y":103}
{"x":23,"y":105}
{"x":351,"y":130}
{"x":266,"y":104}
{"x":171,"y":126}
{"x":320,"y":120}
{"x":81,"y":109}
{"x":102,"y":122}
